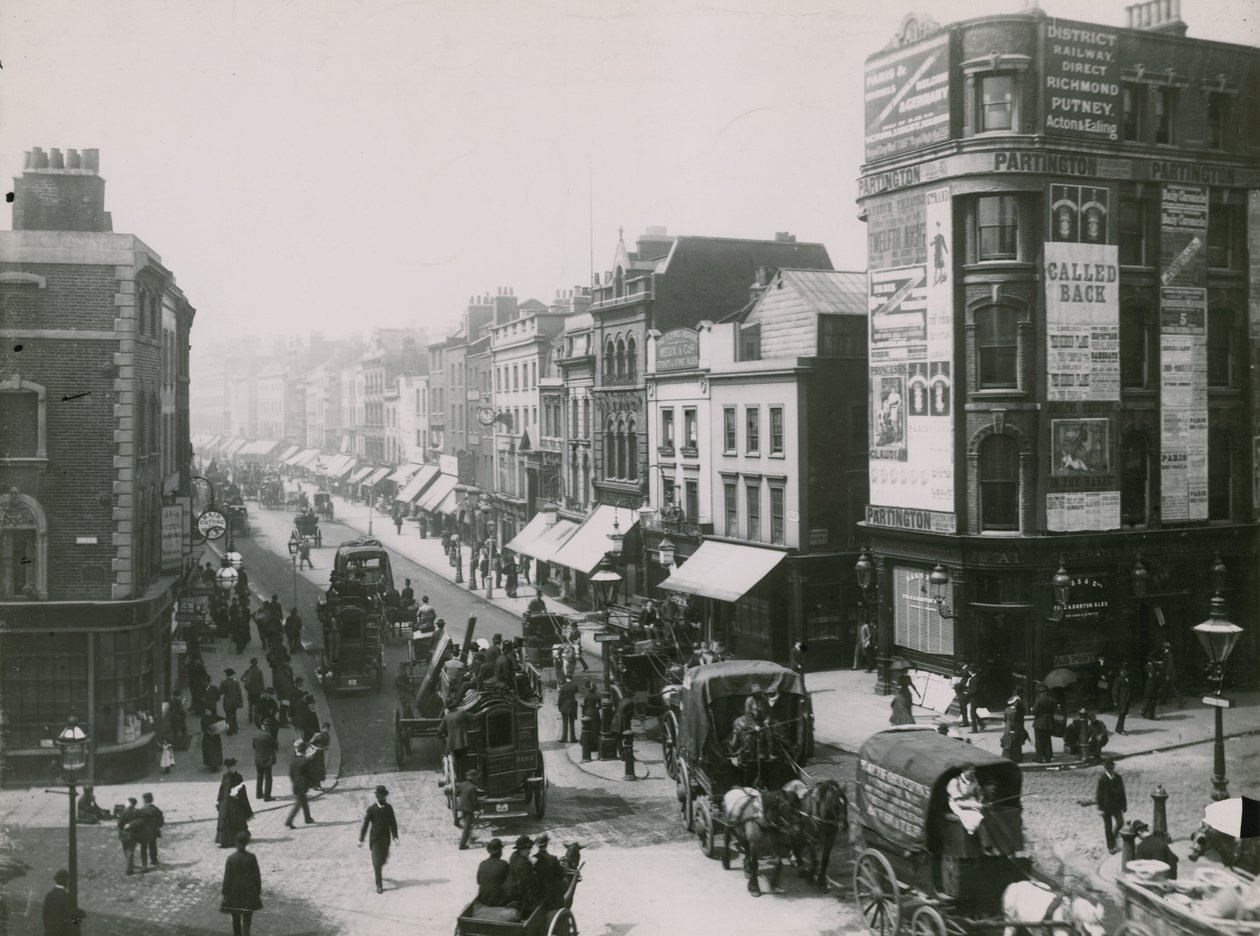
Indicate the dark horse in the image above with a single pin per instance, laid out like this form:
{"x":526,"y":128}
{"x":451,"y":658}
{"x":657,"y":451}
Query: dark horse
{"x":761,"y":823}
{"x":1242,"y":854}
{"x":823,"y":814}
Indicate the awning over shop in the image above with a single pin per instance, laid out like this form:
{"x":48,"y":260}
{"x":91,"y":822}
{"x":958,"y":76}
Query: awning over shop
{"x":444,"y":485}
{"x":200,"y":440}
{"x":360,"y":473}
{"x":234,"y":447}
{"x":403,"y":474}
{"x":549,"y":543}
{"x":260,"y":447}
{"x":339,"y":466}
{"x":211,"y":444}
{"x":449,"y":505}
{"x":417,"y":485}
{"x":587,"y":546}
{"x":725,"y":571}
{"x":523,"y":542}
{"x":288,"y":453}
{"x":376,"y":476}
{"x":303,"y":458}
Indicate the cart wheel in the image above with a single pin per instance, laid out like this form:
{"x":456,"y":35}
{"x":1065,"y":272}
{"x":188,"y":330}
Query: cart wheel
{"x":563,"y":924}
{"x":877,"y":893}
{"x":682,"y":789}
{"x":927,"y":921}
{"x":1130,"y":928}
{"x":706,"y":828}
{"x":540,"y":791}
{"x":399,"y":754}
{"x":448,"y":785}
{"x":669,"y":742}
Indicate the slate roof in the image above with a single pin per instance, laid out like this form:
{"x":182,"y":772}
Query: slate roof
{"x":829,"y":291}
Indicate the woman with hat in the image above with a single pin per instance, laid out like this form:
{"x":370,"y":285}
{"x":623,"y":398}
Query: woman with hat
{"x":212,"y":740}
{"x":233,"y":805}
{"x":1014,"y":735}
{"x":380,"y":820}
{"x":315,"y":765}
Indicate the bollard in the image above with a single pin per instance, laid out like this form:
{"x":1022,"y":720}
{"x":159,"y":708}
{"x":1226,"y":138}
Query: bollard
{"x":588,"y":737}
{"x":627,"y":753}
{"x":1159,"y":821}
{"x":1128,"y":845}
{"x":607,"y":736}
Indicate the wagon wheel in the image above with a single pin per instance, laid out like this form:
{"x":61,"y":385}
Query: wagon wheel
{"x":448,"y":785}
{"x":669,"y":742}
{"x":877,"y":893}
{"x":540,"y":790}
{"x":1130,"y":928}
{"x":682,"y":790}
{"x":400,"y":752}
{"x":706,"y":827}
{"x":927,"y":921}
{"x":563,"y":924}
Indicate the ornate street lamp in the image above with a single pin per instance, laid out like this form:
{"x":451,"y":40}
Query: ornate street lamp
{"x":605,"y":580}
{"x":666,"y":550}
{"x":1218,"y":635}
{"x":551,"y":513}
{"x":294,"y":548}
{"x":235,"y":559}
{"x":1062,"y":584}
{"x":226,"y":577}
{"x":457,"y":559}
{"x":1139,"y":578}
{"x":74,"y":752}
{"x":938,"y":582}
{"x":616,"y":539}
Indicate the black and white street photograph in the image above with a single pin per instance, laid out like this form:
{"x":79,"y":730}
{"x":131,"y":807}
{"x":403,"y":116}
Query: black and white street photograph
{"x":630,"y":468}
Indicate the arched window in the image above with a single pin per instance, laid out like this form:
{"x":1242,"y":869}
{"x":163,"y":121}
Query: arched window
{"x":1135,"y":478}
{"x":621,"y":358}
{"x":996,"y":346}
{"x":632,"y":451}
{"x":999,"y":483}
{"x":610,"y":449}
{"x":621,"y":449}
{"x":23,"y":548}
{"x":585,"y":432}
{"x":1220,"y":474}
{"x":632,"y":361}
{"x":610,"y":355}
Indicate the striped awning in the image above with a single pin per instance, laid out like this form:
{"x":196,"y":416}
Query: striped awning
{"x":403,"y":474}
{"x":360,"y":473}
{"x":376,"y":476}
{"x":437,"y":492}
{"x":419,"y":484}
{"x":725,"y":571}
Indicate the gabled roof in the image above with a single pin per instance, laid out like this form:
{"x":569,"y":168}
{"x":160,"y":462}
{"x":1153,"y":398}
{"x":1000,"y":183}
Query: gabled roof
{"x":827,"y":291}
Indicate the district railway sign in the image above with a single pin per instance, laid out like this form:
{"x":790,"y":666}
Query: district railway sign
{"x":211,"y":524}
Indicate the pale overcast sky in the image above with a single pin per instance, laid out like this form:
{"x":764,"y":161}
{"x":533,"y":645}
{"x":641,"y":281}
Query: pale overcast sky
{"x":339,"y":165}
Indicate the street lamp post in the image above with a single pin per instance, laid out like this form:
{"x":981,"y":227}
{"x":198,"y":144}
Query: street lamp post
{"x":1218,"y":635}
{"x":868,"y":604}
{"x":294,"y":548}
{"x":472,"y":497}
{"x":74,"y":748}
{"x":457,"y":559}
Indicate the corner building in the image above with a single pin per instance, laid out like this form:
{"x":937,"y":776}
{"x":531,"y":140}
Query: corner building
{"x":1063,"y":224}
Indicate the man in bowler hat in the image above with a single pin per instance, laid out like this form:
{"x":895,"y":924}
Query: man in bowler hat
{"x":383,"y":826}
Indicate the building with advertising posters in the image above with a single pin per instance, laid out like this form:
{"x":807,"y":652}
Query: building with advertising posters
{"x":94,"y":468}
{"x":1063,"y":225}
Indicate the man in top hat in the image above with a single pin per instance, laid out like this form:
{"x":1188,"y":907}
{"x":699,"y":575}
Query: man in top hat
{"x":547,"y":872}
{"x":492,"y":875}
{"x":1111,"y":801}
{"x":1043,"y":724}
{"x":1014,"y":735}
{"x":468,"y":804}
{"x":384,"y":826}
{"x":230,"y":692}
{"x":297,"y":776}
{"x":1168,"y":676}
{"x":522,"y":883}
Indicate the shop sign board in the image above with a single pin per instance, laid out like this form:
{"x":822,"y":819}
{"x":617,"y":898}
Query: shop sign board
{"x":678,"y":349}
{"x":907,"y":98}
{"x":1082,"y":322}
{"x":903,"y":518}
{"x":1183,"y":220}
{"x":1183,"y":403}
{"x":172,"y":538}
{"x":1081,"y":81}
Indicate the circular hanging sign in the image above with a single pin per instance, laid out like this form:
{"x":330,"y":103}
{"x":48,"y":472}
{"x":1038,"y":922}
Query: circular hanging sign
{"x":212,"y":524}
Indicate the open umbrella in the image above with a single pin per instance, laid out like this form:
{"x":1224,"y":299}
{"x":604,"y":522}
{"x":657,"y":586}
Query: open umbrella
{"x":898,"y":665}
{"x":1238,"y":816}
{"x":1059,"y":678}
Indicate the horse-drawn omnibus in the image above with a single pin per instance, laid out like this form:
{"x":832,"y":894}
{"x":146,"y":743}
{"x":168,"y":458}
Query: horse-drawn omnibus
{"x":353,"y":657}
{"x":368,"y":559}
{"x":918,"y":855}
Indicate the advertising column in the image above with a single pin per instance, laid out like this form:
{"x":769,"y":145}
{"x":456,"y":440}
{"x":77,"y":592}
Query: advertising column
{"x":1183,"y":354}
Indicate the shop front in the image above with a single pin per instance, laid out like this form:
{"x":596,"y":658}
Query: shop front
{"x":578,"y":558}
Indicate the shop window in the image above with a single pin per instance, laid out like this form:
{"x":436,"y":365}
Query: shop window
{"x":1132,"y":101}
{"x":1135,"y":479}
{"x":1220,"y":475}
{"x":776,"y":430}
{"x":1165,"y":103}
{"x":997,"y":103}
{"x":752,"y":494}
{"x":1217,"y":110}
{"x":776,"y":515}
{"x":1220,"y":357}
{"x":730,"y":503}
{"x":38,"y":676}
{"x":996,"y":346}
{"x":999,"y":483}
{"x":690,"y":439}
{"x":752,"y":430}
{"x":729,"y":441}
{"x":1136,"y":337}
{"x":1225,"y":236}
{"x":667,"y":429}
{"x":1133,"y":233}
{"x":124,"y":680}
{"x":997,"y":227}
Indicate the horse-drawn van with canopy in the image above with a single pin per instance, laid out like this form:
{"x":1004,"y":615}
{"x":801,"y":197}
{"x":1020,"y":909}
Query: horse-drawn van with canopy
{"x":942,"y":839}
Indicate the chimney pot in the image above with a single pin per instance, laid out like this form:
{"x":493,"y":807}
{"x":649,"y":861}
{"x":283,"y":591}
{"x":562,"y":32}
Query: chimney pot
{"x":72,"y":159}
{"x":26,"y":161}
{"x":92,"y":160}
{"x":39,"y":159}
{"x":56,"y":159}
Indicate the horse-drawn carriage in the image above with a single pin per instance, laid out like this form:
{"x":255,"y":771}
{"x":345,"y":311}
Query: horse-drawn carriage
{"x":322,"y":504}
{"x":918,"y":858}
{"x":541,"y":633}
{"x":352,"y":658}
{"x":306,"y":528}
{"x":237,"y":518}
{"x":1212,"y":901}
{"x":555,"y":920}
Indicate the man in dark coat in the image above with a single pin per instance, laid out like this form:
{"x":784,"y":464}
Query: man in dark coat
{"x":1150,"y":689}
{"x":384,"y":827}
{"x":61,"y":917}
{"x":178,"y":721}
{"x":1153,"y":846}
{"x":230,"y":691}
{"x":297,"y":776}
{"x":522,"y":883}
{"x":148,"y":830}
{"x":548,"y":874}
{"x":568,"y":704}
{"x":454,"y":730}
{"x":1122,"y":696}
{"x":253,"y":683}
{"x":1014,"y":735}
{"x":973,"y":698}
{"x":242,"y":887}
{"x":267,"y":711}
{"x":1111,"y":802}
{"x":1043,"y":724}
{"x":492,"y":875}
{"x":467,"y":801}
{"x":127,"y":833}
{"x":265,"y":747}
{"x":293,"y":630}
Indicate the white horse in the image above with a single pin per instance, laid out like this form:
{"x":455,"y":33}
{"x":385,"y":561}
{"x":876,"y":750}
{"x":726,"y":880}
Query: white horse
{"x":1030,"y":902}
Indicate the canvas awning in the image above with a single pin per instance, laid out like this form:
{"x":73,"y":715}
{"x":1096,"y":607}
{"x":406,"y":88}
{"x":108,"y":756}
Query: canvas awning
{"x":360,"y":473}
{"x":725,"y":571}
{"x":417,"y":485}
{"x":301,"y":457}
{"x":200,"y":440}
{"x":260,"y":447}
{"x":212,"y":444}
{"x":523,"y":541}
{"x":548,"y":543}
{"x":403,"y":474}
{"x":339,"y":466}
{"x":376,"y":476}
{"x":587,"y":546}
{"x":234,"y":447}
{"x":437,"y":491}
{"x":288,"y":453}
{"x":449,"y":504}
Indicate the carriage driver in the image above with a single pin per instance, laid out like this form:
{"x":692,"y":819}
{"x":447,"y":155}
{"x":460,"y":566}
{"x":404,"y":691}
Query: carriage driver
{"x":967,"y":801}
{"x":749,"y":742}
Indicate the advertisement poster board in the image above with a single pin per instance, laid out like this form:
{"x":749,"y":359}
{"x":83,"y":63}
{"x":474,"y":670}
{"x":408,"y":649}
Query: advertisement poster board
{"x":1183,"y":403}
{"x":911,"y":354}
{"x":1077,"y":511}
{"x":1183,"y":219}
{"x":907,"y":98}
{"x":1081,"y":84}
{"x":1080,"y":448}
{"x":173,"y":538}
{"x":1082,"y":322}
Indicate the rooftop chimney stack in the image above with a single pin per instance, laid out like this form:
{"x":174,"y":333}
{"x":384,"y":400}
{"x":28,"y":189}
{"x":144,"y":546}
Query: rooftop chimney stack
{"x":60,"y":192}
{"x":784,"y":237}
{"x":1157,"y":16}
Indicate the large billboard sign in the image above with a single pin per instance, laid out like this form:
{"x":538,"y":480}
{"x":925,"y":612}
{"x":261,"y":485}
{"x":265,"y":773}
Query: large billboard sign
{"x":907,"y":98}
{"x":1082,"y":322}
{"x":911,"y":357}
{"x":1081,"y":81}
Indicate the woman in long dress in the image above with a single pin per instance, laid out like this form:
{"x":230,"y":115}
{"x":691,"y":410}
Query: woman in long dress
{"x":211,"y":742}
{"x":902,"y":707}
{"x":234,"y":808}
